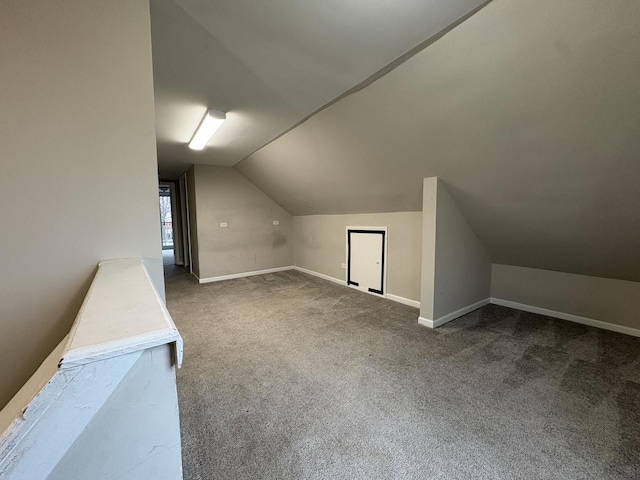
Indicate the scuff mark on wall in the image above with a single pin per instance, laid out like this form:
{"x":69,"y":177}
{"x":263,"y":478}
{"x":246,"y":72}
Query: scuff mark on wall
{"x":250,"y":241}
{"x":279,"y":239}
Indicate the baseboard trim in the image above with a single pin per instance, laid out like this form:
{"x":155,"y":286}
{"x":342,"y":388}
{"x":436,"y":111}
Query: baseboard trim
{"x":389,"y":296}
{"x":242,"y":274}
{"x":404,"y":301}
{"x":453,"y":315}
{"x":320,"y":275}
{"x":425,"y":322}
{"x":567,"y":316}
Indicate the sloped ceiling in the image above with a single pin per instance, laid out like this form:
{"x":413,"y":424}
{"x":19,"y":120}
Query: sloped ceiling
{"x":530,"y":113}
{"x":271,"y":63}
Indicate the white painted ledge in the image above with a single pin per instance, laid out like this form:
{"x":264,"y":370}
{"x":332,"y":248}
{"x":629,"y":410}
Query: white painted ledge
{"x":121,"y":317}
{"x":122,"y":313}
{"x":18,"y":406}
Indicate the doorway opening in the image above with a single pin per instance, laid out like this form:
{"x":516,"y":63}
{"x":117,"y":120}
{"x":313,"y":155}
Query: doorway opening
{"x":166,"y":219}
{"x":166,"y":223}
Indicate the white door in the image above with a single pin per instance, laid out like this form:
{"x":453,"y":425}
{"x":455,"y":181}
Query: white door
{"x":365,"y":255}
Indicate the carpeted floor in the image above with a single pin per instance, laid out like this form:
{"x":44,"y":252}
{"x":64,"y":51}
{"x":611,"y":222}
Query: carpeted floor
{"x":289,"y":376}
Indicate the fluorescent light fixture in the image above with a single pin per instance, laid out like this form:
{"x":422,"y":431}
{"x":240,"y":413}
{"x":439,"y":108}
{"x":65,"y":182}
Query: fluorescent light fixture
{"x":208,"y":126}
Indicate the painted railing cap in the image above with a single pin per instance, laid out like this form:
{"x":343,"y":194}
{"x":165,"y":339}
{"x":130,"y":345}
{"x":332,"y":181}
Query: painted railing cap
{"x":121,"y":313}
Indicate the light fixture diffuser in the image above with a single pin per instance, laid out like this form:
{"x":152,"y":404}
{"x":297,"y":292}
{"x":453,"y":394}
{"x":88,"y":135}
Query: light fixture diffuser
{"x":208,"y":126}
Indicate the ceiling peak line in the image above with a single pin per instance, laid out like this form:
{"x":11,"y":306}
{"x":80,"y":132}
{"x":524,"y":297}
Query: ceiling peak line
{"x":391,"y":66}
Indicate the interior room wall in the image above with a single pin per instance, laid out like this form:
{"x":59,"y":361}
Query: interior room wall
{"x":457,"y":270}
{"x":78,"y":176}
{"x":428,"y":265}
{"x":529,"y":112}
{"x":250,"y":242}
{"x":604,"y":299}
{"x":320,"y":246}
{"x":463,"y":267}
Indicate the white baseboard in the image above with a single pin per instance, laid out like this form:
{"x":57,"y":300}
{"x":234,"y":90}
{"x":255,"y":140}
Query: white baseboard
{"x":425,"y":322}
{"x":453,"y":315}
{"x":241,"y":275}
{"x":321,"y":275}
{"x":390,"y":296}
{"x":567,"y":316}
{"x":404,"y":301}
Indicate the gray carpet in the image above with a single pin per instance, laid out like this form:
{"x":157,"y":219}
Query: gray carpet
{"x":289,"y":376}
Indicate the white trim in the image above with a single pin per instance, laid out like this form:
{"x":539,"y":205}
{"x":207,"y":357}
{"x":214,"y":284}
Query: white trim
{"x":121,"y":313}
{"x":174,"y":214}
{"x":242,"y":275}
{"x":389,"y":296}
{"x":453,"y":315}
{"x":321,"y":275}
{"x":404,"y":301}
{"x":385,"y":254}
{"x":567,"y":316}
{"x":425,"y":322}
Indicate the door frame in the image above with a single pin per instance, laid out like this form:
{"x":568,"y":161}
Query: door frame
{"x":183,"y":189}
{"x":174,"y":217}
{"x":385,"y":241}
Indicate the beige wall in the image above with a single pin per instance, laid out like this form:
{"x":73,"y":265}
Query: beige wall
{"x":428,"y":267}
{"x":250,"y":242}
{"x":528,"y":110}
{"x":463,"y":267}
{"x":604,"y":299}
{"x":456,"y":268}
{"x":78,"y":175}
{"x":320,"y":246}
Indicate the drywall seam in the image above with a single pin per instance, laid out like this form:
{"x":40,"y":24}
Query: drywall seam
{"x":567,"y":316}
{"x":453,"y":315}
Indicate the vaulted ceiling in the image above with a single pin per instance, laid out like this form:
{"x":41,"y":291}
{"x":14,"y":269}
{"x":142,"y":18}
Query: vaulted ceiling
{"x":270,"y":64}
{"x":529,"y":111}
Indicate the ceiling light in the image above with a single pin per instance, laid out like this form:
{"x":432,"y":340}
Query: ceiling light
{"x":208,"y":126}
